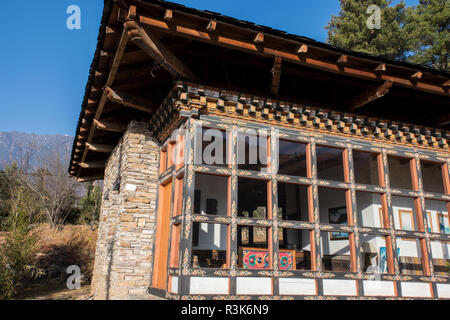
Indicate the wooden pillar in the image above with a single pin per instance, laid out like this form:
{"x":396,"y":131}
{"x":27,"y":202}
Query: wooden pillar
{"x":272,"y":204}
{"x":419,"y":203}
{"x":233,"y":253}
{"x":388,"y":218}
{"x":352,"y":215}
{"x":313,"y":210}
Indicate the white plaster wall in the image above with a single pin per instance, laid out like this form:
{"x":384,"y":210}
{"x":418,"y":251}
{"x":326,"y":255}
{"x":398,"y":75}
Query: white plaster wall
{"x":336,"y":287}
{"x":174,"y":285}
{"x":292,"y":286}
{"x":443,"y":290}
{"x":208,"y":285}
{"x":253,"y":285}
{"x":416,"y":289}
{"x":378,"y":288}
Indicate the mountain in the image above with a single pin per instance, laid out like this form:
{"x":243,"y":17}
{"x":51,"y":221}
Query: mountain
{"x":18,"y":146}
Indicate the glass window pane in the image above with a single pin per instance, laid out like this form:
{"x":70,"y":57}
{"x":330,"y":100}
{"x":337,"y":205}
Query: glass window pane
{"x":292,"y":202}
{"x":373,"y":253}
{"x":209,"y":245}
{"x":405,"y":217}
{"x":369,"y":209}
{"x":440,"y":251}
{"x":399,"y":172}
{"x":335,"y":251}
{"x":432,"y":177}
{"x":366,"y":167}
{"x":437,"y":216}
{"x":210,"y":200}
{"x":252,"y":198}
{"x":252,"y":152}
{"x":298,"y":241}
{"x":292,"y":158}
{"x":211,"y":147}
{"x":332,"y":206}
{"x":410,"y":256}
{"x":253,"y":247}
{"x":330,"y":164}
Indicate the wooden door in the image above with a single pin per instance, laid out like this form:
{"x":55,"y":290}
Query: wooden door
{"x":162,"y":237}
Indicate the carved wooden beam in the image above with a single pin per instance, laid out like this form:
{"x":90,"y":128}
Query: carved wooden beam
{"x":276,"y":75}
{"x":97,"y":147}
{"x":368,"y":96}
{"x":109,"y":126}
{"x":128,"y":100}
{"x":90,"y":178}
{"x":442,"y":120}
{"x":93,"y":165}
{"x":148,"y":42}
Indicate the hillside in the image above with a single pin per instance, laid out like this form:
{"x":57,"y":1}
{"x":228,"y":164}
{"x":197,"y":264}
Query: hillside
{"x":18,"y":146}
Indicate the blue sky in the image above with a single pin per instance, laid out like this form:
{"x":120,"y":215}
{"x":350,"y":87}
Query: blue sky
{"x":45,"y":66}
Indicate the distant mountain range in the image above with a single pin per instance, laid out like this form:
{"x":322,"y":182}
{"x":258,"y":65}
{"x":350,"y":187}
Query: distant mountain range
{"x":17,"y":146}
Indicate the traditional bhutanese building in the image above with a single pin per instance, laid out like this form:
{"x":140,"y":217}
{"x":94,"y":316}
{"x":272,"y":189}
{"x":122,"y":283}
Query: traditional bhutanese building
{"x":330,"y":171}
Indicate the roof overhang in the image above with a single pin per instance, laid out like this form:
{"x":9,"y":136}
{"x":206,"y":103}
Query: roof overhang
{"x":145,"y":46}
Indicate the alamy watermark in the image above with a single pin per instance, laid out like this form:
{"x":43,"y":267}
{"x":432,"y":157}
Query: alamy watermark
{"x":74,"y":280}
{"x":73,"y":22}
{"x":374,"y":20}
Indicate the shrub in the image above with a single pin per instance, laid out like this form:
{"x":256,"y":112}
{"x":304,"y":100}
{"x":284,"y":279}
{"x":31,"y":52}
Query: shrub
{"x":16,"y":260}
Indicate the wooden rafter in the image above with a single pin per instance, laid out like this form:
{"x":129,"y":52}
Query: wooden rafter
{"x":442,"y":120}
{"x":128,"y":100}
{"x":93,"y":164}
{"x":368,"y":96}
{"x":109,"y":126}
{"x":276,"y":75}
{"x":112,"y":74}
{"x":97,"y":147}
{"x":148,"y":42}
{"x":295,"y":57}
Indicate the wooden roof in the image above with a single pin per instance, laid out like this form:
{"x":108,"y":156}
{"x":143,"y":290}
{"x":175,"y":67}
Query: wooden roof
{"x":145,"y":46}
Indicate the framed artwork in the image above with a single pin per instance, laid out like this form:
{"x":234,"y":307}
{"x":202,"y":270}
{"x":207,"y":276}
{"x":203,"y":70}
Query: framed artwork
{"x":443,"y":223}
{"x":406,"y":220}
{"x":338,"y":216}
{"x":382,"y":259}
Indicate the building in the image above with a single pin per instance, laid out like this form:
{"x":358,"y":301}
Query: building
{"x":334,"y":180}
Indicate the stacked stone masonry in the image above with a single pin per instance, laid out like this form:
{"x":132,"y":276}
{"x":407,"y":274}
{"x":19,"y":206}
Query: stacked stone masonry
{"x":126,"y":234}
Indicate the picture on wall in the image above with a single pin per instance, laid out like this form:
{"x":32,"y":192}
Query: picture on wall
{"x":338,"y":216}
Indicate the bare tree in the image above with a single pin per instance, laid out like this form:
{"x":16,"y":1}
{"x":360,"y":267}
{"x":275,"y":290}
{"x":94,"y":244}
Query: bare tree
{"x":56,"y":191}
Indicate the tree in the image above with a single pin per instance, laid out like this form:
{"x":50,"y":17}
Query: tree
{"x":349,"y":30}
{"x":55,"y":190}
{"x":90,"y":205}
{"x":428,"y":27}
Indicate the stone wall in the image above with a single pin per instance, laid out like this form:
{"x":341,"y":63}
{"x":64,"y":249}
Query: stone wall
{"x":123,"y":259}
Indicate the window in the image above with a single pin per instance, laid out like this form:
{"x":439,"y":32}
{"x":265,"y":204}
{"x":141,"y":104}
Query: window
{"x":432,"y":176}
{"x":252,"y":198}
{"x":410,"y":257}
{"x":253,"y":247}
{"x":332,"y":206}
{"x":292,"y":158}
{"x":209,"y":245}
{"x":440,"y":251}
{"x":335,"y":251}
{"x":365,"y":167}
{"x":374,"y":254}
{"x":292,"y":202}
{"x":405,"y":217}
{"x":369,"y":212}
{"x":252,"y":152}
{"x":437,"y":216}
{"x":294,"y":246}
{"x":399,"y":172}
{"x":212,"y":147}
{"x":330,"y":163}
{"x":210,"y":194}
